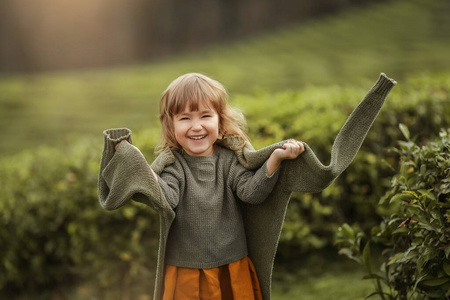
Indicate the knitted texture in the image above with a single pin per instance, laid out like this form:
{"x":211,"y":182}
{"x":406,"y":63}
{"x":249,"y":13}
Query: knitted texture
{"x":126,"y":175}
{"x":208,"y":230}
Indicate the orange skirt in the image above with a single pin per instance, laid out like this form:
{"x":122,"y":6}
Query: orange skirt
{"x":237,"y":280}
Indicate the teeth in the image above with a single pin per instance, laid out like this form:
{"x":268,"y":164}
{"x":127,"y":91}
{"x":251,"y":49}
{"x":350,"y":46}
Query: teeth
{"x":197,"y":137}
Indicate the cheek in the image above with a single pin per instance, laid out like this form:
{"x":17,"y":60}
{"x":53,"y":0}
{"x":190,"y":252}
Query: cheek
{"x":216,"y":125}
{"x":178,"y":132}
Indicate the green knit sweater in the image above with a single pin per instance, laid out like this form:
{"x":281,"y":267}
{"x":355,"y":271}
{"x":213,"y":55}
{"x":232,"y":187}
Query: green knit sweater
{"x":125,"y":174}
{"x":208,"y":230}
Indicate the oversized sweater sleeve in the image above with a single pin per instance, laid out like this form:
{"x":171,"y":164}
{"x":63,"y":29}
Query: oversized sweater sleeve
{"x":253,"y":187}
{"x":308,"y":174}
{"x":125,"y":174}
{"x":172,"y":184}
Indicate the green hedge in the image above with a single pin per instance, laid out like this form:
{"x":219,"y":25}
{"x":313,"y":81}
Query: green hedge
{"x":54,"y":232}
{"x":414,"y":238}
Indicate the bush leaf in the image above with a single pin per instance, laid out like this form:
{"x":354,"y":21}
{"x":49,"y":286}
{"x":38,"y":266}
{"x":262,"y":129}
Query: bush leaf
{"x":435,"y":282}
{"x":404,"y":130}
{"x":446,"y":267}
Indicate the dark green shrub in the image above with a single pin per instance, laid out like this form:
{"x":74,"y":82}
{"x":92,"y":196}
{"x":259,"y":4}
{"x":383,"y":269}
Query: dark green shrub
{"x":415,"y":236}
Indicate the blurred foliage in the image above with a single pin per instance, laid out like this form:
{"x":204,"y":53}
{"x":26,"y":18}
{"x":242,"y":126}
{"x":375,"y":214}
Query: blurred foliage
{"x":415,"y":236}
{"x":396,"y":37}
{"x":53,"y":230}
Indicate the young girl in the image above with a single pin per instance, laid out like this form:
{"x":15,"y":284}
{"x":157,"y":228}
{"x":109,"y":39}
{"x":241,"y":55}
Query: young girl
{"x":221,"y":203}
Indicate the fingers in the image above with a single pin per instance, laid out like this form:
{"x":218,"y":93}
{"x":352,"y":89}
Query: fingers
{"x":294,"y":146}
{"x":293,"y":149}
{"x":118,"y":144}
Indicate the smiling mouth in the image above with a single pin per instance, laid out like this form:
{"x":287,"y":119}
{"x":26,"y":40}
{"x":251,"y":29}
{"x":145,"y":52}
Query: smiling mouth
{"x":196,"y":138}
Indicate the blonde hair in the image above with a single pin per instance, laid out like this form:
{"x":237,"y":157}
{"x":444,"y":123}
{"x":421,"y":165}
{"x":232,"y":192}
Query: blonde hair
{"x":191,"y":90}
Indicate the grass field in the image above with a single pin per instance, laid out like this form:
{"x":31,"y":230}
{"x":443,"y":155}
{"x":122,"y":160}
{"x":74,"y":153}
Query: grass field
{"x":334,"y":285}
{"x":324,"y":276}
{"x":396,"y":37}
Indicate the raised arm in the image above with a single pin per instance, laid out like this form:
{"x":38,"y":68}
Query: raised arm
{"x":125,"y":174}
{"x":308,"y":174}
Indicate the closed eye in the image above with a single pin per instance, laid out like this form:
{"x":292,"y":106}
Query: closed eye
{"x":207,"y":116}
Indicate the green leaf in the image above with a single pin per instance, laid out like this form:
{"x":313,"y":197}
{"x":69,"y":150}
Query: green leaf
{"x":404,"y":129}
{"x":423,"y":169}
{"x":348,"y":231}
{"x":447,"y":251}
{"x":403,"y":196}
{"x":367,"y":257}
{"x":402,"y":229}
{"x":349,"y":253}
{"x":431,"y":179}
{"x":376,"y":293}
{"x":396,"y":258}
{"x":435,"y":282}
{"x":420,"y":263}
{"x":446,"y":267}
{"x":431,"y":196}
{"x":423,"y":191}
{"x":374,"y":276}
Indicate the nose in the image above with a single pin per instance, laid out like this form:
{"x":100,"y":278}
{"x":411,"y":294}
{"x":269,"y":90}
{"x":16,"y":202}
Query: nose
{"x":197,"y":126}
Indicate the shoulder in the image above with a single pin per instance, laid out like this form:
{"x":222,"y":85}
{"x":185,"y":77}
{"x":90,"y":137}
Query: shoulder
{"x":226,"y":154}
{"x":176,"y":170}
{"x":164,"y":159}
{"x":229,"y":160}
{"x":176,"y":162}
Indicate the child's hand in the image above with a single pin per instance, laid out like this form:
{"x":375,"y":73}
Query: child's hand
{"x":118,"y":144}
{"x":290,"y":150}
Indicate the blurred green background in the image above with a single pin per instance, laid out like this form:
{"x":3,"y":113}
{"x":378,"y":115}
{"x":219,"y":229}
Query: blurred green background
{"x":296,"y":73}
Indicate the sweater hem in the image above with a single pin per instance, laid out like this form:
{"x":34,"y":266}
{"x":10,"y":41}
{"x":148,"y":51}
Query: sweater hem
{"x":206,"y":265}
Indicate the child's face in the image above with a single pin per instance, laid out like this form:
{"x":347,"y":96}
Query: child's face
{"x":197,"y":131}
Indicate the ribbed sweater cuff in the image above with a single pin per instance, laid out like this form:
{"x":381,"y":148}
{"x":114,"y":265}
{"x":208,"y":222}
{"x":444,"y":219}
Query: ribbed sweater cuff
{"x":115,"y":135}
{"x":383,"y":85}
